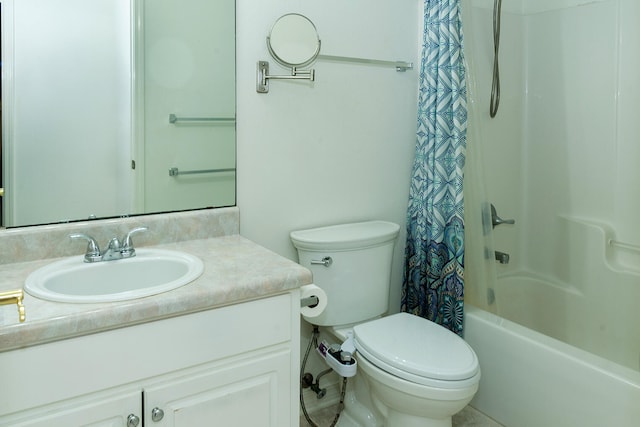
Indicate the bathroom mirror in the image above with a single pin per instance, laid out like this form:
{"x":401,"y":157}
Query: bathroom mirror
{"x":293,"y":41}
{"x":116,"y":107}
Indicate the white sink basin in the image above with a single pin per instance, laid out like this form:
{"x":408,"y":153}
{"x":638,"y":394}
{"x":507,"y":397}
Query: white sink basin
{"x":150,"y":272}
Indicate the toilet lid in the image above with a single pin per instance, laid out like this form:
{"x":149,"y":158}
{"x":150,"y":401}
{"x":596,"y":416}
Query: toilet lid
{"x":415,"y":349}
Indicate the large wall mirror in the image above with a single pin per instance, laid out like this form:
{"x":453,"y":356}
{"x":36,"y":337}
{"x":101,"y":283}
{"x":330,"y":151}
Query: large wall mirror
{"x":116,"y":107}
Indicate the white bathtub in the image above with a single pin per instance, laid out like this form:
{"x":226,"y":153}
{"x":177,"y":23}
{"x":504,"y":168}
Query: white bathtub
{"x":532,"y":380}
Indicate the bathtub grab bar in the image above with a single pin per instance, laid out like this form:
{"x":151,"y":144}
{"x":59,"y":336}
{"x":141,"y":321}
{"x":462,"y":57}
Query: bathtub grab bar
{"x":173,"y":119}
{"x":176,"y":172}
{"x":624,"y":245}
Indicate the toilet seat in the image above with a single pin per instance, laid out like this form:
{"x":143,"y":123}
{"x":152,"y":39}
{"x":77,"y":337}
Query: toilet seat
{"x":417,"y":350}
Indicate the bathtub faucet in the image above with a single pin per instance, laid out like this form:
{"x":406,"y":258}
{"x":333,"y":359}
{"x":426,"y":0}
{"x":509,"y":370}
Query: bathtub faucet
{"x":502,"y":257}
{"x":496,"y":220}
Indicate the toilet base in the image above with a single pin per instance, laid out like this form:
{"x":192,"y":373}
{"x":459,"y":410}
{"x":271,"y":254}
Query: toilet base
{"x":404,"y":404}
{"x":358,"y":410}
{"x":362,"y":408}
{"x":397,"y":419}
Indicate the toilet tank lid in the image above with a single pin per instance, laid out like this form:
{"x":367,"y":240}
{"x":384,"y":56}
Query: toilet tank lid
{"x":345,"y":236}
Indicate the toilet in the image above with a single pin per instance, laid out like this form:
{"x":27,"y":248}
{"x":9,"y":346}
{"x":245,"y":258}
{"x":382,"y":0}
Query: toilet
{"x":410,"y":371}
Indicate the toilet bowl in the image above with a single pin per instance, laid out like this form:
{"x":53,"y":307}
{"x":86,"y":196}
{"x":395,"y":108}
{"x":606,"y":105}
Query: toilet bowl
{"x":418,"y":372}
{"x":411,"y":371}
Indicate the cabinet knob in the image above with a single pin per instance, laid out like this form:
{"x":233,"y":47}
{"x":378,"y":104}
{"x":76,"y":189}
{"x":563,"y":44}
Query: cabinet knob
{"x":157,"y":414}
{"x":133,"y":420}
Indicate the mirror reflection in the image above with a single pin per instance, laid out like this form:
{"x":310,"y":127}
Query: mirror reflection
{"x":88,"y":91}
{"x":293,"y":41}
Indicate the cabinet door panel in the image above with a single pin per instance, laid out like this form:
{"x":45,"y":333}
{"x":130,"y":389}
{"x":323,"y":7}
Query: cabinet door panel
{"x":248,"y":392}
{"x":102,"y":411}
{"x":244,"y":403}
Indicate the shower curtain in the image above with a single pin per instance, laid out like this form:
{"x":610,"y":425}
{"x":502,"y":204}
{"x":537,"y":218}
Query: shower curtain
{"x":479,"y":262}
{"x":433,"y":283}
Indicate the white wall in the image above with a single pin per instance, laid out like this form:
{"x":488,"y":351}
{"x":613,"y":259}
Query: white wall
{"x":339,"y":149}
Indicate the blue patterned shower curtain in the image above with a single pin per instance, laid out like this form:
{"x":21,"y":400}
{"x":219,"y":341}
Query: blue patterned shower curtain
{"x":433,"y":284}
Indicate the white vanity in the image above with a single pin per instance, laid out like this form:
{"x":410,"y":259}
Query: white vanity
{"x":222,"y":350}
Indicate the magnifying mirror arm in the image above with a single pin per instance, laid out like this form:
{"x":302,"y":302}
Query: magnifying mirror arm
{"x":295,"y":74}
{"x":263,"y":76}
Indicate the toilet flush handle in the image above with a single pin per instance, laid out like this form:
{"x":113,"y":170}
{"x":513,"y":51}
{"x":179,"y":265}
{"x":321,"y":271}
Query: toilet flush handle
{"x":326,"y":261}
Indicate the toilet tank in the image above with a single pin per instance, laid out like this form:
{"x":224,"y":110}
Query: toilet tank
{"x":356,"y":279}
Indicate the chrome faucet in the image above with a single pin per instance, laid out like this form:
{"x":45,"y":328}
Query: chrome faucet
{"x":93,"y":250}
{"x":496,"y":220}
{"x":127,"y":250}
{"x":114,"y":251}
{"x":502,"y":257}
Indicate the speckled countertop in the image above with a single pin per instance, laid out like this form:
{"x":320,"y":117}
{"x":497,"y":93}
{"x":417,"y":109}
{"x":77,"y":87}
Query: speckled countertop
{"x":235,"y":270}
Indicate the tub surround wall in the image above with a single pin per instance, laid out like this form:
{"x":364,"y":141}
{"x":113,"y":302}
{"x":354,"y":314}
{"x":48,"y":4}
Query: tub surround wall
{"x":553,"y":133}
{"x":562,"y":157}
{"x":236,"y":270}
{"x":603,"y":323}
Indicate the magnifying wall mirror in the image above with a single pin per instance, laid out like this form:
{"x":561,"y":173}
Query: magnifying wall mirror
{"x":293,"y":42}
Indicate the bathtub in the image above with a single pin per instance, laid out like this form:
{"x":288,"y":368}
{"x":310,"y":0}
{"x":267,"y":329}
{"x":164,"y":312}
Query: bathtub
{"x":532,"y":380}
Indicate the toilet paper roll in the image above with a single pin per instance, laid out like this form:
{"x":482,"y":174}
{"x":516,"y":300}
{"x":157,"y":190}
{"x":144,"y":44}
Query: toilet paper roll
{"x":313,"y":291}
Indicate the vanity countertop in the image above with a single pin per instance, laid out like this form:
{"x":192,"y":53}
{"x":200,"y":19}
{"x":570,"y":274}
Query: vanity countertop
{"x":235,"y":270}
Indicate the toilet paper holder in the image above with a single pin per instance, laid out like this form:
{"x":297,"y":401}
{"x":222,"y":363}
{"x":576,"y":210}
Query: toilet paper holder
{"x":311,"y":301}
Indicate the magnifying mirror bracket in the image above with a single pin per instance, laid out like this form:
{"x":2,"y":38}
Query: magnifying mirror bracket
{"x":263,"y":77}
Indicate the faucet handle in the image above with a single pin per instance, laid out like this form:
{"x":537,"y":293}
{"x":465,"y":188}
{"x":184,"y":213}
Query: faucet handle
{"x":127,"y":250}
{"x":93,"y":250}
{"x":496,"y":220}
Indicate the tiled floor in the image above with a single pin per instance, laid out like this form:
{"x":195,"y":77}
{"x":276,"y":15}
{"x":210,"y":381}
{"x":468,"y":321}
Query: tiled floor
{"x":468,"y":417}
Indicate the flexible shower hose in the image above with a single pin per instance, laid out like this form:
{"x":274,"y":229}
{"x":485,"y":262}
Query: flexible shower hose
{"x":495,"y":85}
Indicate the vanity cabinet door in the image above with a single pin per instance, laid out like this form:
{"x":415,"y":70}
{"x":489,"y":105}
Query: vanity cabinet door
{"x":122,"y":409}
{"x":249,"y":391}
